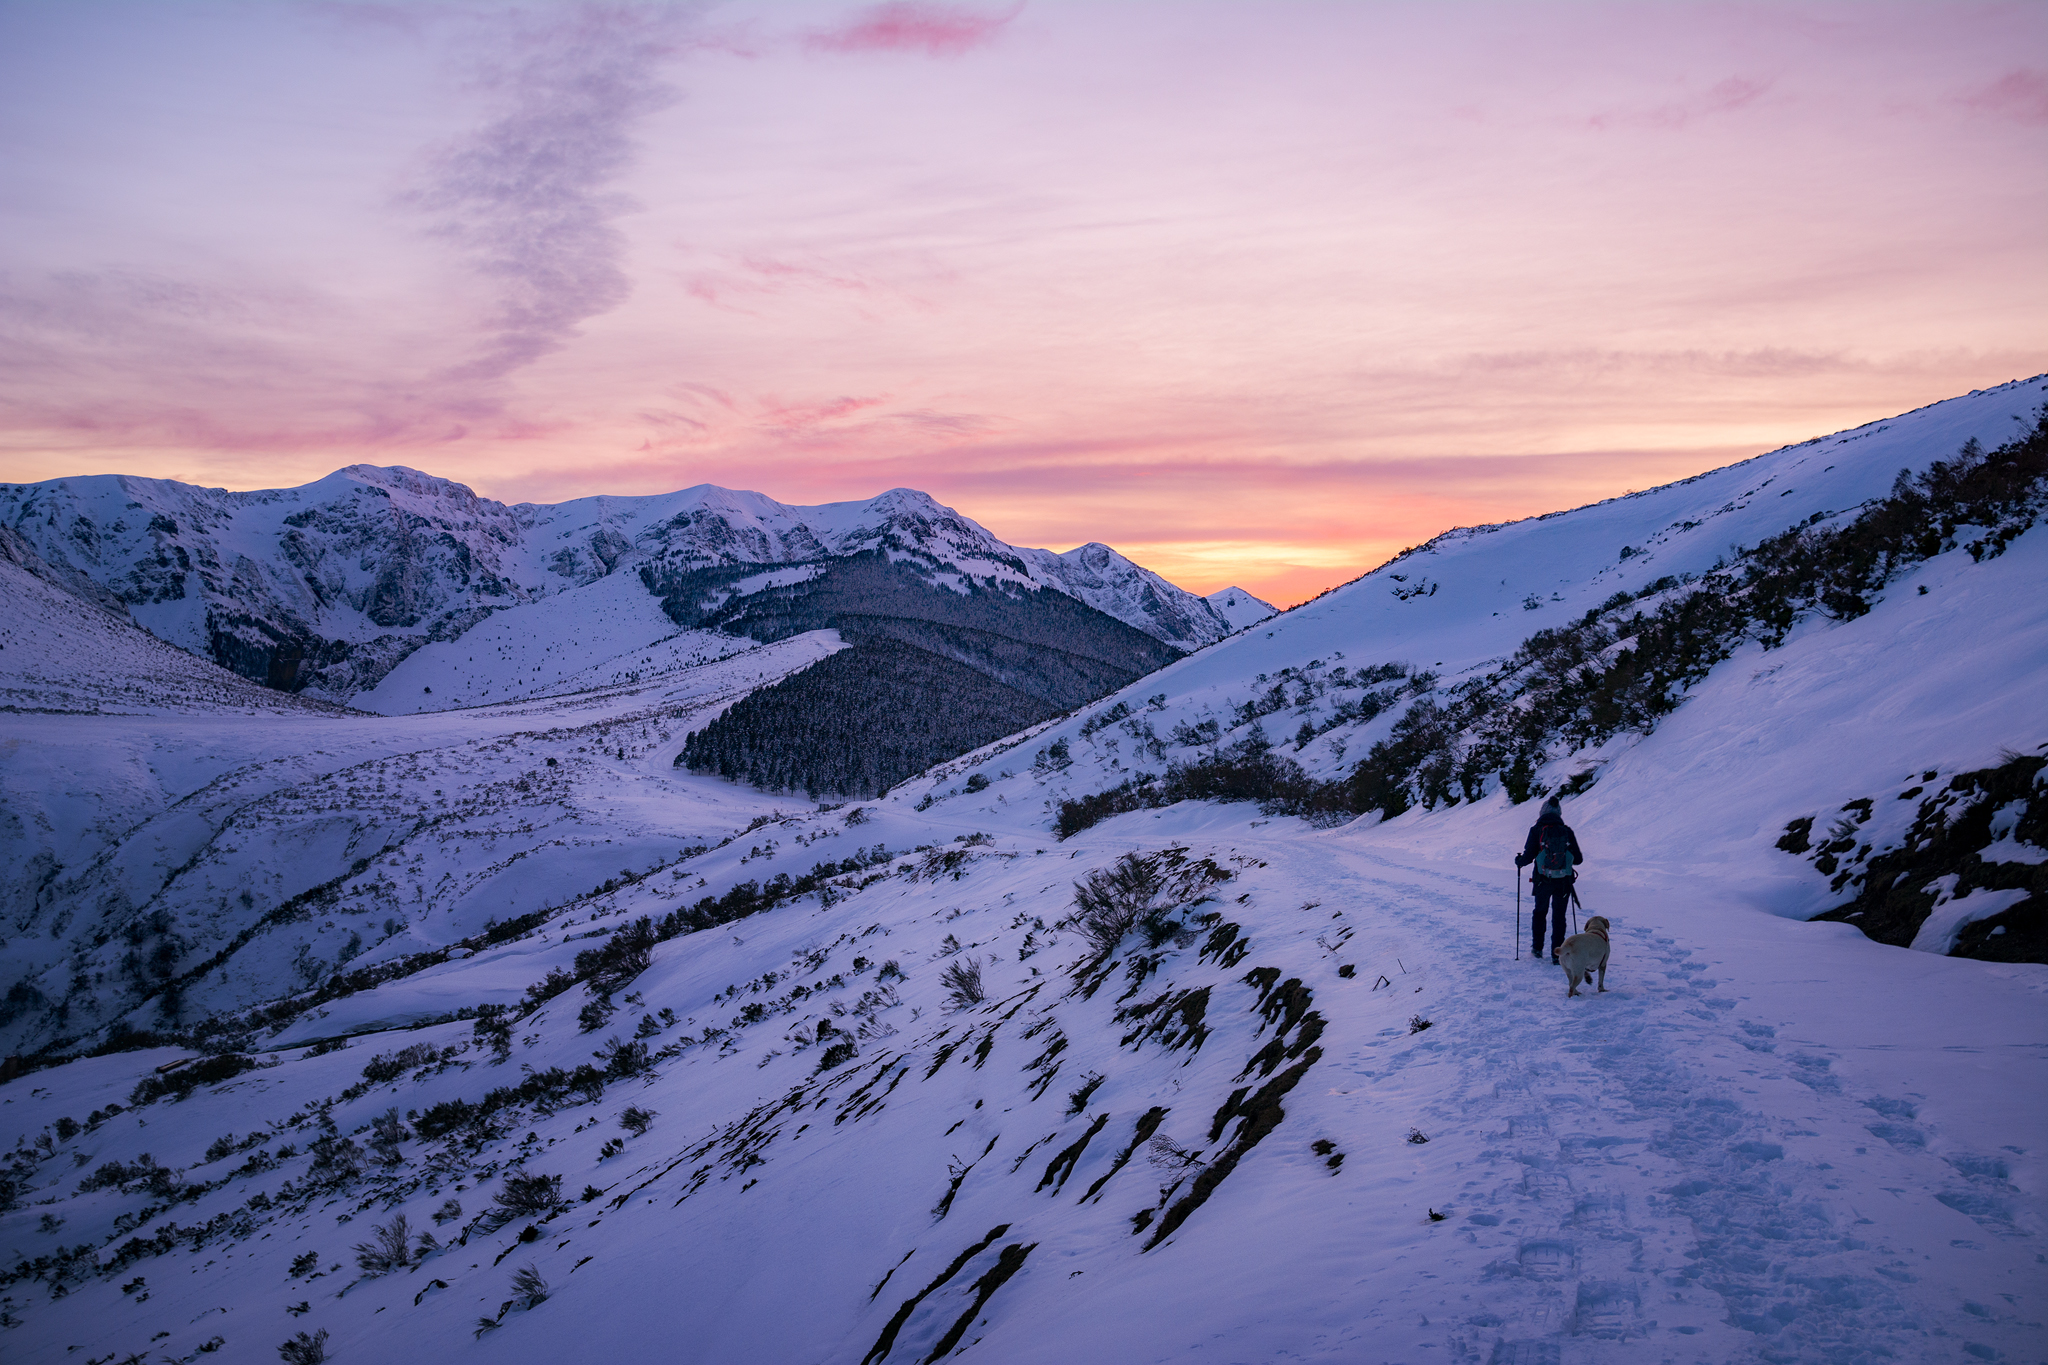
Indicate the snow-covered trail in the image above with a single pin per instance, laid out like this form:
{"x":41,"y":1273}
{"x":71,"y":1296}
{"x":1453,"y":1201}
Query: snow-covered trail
{"x":1653,"y":1163}
{"x":1659,"y":1166}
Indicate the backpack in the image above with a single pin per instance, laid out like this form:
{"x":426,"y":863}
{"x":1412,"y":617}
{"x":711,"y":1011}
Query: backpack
{"x":1554,"y":853}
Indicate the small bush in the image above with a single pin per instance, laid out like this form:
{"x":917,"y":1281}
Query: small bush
{"x":977,"y":783}
{"x":387,"y":1131}
{"x":636,"y":1120}
{"x":493,"y":1029}
{"x":594,"y":1016}
{"x":305,"y":1348}
{"x":840,"y":1052}
{"x":396,"y":1064}
{"x":531,"y":1289}
{"x":387,"y":1249}
{"x":529,"y":1194}
{"x":182,"y":1082}
{"x":1416,"y":1023}
{"x":624,"y":956}
{"x":1109,"y":901}
{"x":448,"y":1212}
{"x":624,"y":1059}
{"x":337,"y":1156}
{"x":962,"y":981}
{"x":445,"y":1117}
{"x":306,"y":1264}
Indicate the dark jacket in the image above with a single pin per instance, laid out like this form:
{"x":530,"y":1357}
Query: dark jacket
{"x":1535,"y":845}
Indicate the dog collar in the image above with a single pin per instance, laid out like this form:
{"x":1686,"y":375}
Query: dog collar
{"x":1601,"y":932}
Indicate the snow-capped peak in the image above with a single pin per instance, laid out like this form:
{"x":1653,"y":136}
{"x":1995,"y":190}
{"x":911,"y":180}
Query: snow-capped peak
{"x":1240,"y":608}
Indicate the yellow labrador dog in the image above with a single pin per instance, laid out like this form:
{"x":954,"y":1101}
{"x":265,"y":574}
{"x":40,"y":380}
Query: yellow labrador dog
{"x":1585,"y":954}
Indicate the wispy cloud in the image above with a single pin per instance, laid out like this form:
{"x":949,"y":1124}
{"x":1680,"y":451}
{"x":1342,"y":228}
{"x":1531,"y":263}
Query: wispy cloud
{"x":1724,"y":97}
{"x":2020,"y":95}
{"x":908,"y":26}
{"x":525,"y":197}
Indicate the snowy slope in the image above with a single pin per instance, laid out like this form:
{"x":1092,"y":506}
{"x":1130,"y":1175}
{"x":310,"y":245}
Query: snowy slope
{"x":612,"y":629}
{"x":64,"y":649}
{"x":1769,"y":1140}
{"x":143,"y":848}
{"x":331,"y":585}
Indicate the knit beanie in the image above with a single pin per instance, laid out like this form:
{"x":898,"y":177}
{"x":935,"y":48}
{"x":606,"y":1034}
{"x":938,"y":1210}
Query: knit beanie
{"x":1551,"y":810}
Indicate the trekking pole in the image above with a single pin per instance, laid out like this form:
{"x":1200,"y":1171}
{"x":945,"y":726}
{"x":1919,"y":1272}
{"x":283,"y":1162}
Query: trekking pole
{"x":1518,"y":914}
{"x":1575,"y":905}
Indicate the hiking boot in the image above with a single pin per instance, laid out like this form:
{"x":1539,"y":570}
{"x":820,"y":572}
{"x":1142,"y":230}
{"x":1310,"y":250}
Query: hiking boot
{"x":1553,"y":958}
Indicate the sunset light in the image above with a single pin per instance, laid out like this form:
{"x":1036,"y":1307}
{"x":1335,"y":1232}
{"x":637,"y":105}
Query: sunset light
{"x":1254,"y":293}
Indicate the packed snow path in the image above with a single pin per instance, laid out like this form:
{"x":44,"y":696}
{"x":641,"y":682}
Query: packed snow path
{"x":1654,"y":1165}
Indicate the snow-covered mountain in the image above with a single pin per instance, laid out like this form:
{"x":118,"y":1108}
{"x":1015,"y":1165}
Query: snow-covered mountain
{"x":1240,"y":608}
{"x":887,"y":1082}
{"x":327,"y":587}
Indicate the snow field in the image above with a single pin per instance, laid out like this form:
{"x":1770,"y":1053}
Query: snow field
{"x":609,"y":631}
{"x":455,"y":818}
{"x":1703,"y":1164}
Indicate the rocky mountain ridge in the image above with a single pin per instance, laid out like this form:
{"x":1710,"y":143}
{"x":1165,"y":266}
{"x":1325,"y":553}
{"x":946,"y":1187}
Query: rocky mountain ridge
{"x":327,"y":587}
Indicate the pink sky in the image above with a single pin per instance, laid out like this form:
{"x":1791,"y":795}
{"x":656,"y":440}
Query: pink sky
{"x":1257,"y":293}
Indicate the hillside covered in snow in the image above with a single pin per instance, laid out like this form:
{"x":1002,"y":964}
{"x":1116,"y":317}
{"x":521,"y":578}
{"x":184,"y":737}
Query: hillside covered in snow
{"x":1194,"y":1022}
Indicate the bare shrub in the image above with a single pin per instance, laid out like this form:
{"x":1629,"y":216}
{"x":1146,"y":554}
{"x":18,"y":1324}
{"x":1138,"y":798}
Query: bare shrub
{"x":635,"y":1120}
{"x":393,"y":1065}
{"x":622,"y":1059}
{"x":387,"y":1131}
{"x":1110,"y":901}
{"x":1139,"y":891}
{"x":1164,"y":1152}
{"x":493,"y":1029}
{"x":305,"y":1348}
{"x":624,"y":955}
{"x":529,"y":1194}
{"x":962,"y":981}
{"x":386,"y":1250}
{"x":531,"y":1289}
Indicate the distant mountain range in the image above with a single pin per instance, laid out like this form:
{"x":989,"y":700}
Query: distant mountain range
{"x":326,"y":588}
{"x":397,"y":592}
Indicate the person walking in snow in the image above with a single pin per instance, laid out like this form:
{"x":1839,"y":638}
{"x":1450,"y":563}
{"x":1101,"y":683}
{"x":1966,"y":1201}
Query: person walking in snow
{"x":1554,"y":850}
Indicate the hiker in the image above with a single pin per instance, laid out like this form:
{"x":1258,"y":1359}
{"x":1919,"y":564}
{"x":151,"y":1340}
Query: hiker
{"x":1554,"y":849}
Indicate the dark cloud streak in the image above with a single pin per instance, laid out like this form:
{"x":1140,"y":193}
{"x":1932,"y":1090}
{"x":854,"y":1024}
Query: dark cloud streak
{"x":524,"y":197}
